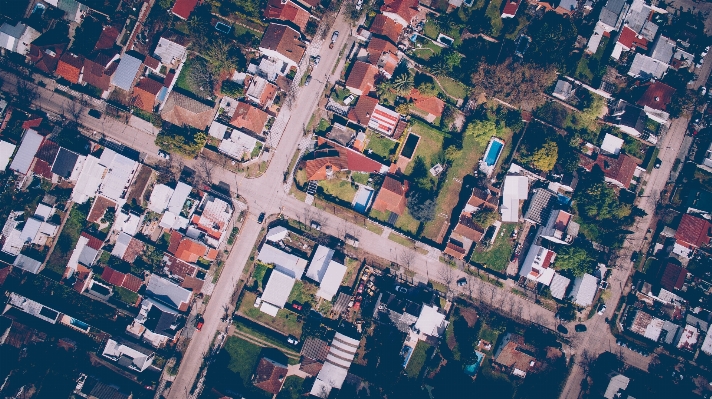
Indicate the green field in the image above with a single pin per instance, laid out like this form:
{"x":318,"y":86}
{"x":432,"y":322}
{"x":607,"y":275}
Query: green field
{"x":417,"y":360}
{"x":430,"y":145}
{"x":243,"y":357}
{"x":452,"y":87}
{"x":341,"y":189}
{"x":285,"y":321}
{"x":381,"y":146}
{"x":407,"y":223}
{"x":497,"y":256}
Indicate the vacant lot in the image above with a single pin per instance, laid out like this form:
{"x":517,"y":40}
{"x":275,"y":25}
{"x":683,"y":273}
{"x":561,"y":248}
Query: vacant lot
{"x":496,"y":256}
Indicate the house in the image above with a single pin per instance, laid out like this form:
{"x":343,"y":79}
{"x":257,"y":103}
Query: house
{"x":610,"y":19}
{"x":386,"y":27}
{"x":559,"y":285}
{"x":647,"y":67}
{"x":628,"y":40}
{"x":289,"y":264}
{"x":74,"y":11}
{"x":22,"y":161}
{"x":617,"y":170}
{"x":400,"y":11}
{"x":376,"y":50}
{"x":70,"y":67}
{"x":46,"y":50}
{"x":516,"y":189}
{"x":707,"y":344}
{"x":510,"y":8}
{"x":699,"y":201}
{"x":6,"y":152}
{"x":171,"y":49}
{"x":126,"y":72}
{"x":707,"y":160}
{"x":584,"y":290}
{"x":362,"y":78}
{"x":431,"y":322}
{"x":313,"y":355}
{"x":643,"y":323}
{"x":165,"y":292}
{"x":156,"y":324}
{"x":429,"y":108}
{"x":17,"y":38}
{"x":276,"y":234}
{"x":269,"y":375}
{"x":249,"y":117}
{"x":144,"y":94}
{"x":338,"y":361}
{"x":283,"y":43}
{"x":27,"y":264}
{"x":672,"y":277}
{"x":183,"y":8}
{"x":385,"y":121}
{"x":36,"y":229}
{"x":629,"y":119}
{"x":213,"y":219}
{"x":91,"y":388}
{"x":688,"y":338}
{"x":612,"y":145}
{"x":67,"y":165}
{"x":563,"y":90}
{"x":514,"y":356}
{"x":237,"y":144}
{"x":566,"y":7}
{"x":276,"y":292}
{"x":182,"y":110}
{"x":391,"y":196}
{"x":330,"y":157}
{"x":655,"y":100}
{"x":560,"y":228}
{"x":326,"y":271}
{"x":537,"y":265}
{"x":540,"y":206}
{"x":127,"y":247}
{"x":692,"y":233}
{"x":261,"y":92}
{"x":361,"y":113}
{"x":119,"y":279}
{"x":288,"y":11}
{"x":190,"y":251}
{"x":128,"y":354}
{"x":341,"y":134}
{"x":99,"y":68}
{"x":617,"y":385}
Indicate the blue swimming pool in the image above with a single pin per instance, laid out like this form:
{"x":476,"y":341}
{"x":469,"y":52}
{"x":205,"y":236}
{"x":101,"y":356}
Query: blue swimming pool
{"x":471,"y":369}
{"x":79,"y":324}
{"x":493,"y":154}
{"x":406,"y":352}
{"x":362,"y":199}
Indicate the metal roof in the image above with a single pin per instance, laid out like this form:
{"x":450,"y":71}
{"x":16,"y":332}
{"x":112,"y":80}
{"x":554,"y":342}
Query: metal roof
{"x":584,"y":290}
{"x":6,"y":151}
{"x":27,"y":264}
{"x":278,"y":288}
{"x":28,"y":148}
{"x":126,"y":72}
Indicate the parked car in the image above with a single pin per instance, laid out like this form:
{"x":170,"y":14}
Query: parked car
{"x":560,"y":328}
{"x":402,"y":290}
{"x":462,"y":282}
{"x":292,"y":340}
{"x":199,"y":323}
{"x":261,"y":218}
{"x":348,"y":100}
{"x":315,"y":225}
{"x":296,"y":306}
{"x":658,"y":162}
{"x":634,"y":257}
{"x":703,"y":90}
{"x":164,"y":154}
{"x":94,"y":113}
{"x":334,"y":36}
{"x":316,"y":60}
{"x":351,"y":240}
{"x":580,"y":328}
{"x":602,"y":310}
{"x":307,"y":80}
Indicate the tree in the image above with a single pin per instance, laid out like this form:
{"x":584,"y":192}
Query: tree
{"x":515,"y":83}
{"x":403,"y":83}
{"x":452,"y":154}
{"x":482,"y":131}
{"x":165,"y":4}
{"x":552,"y":37}
{"x":575,"y":259}
{"x":201,"y":80}
{"x":427,"y":89}
{"x":223,"y":56}
{"x":588,"y":117}
{"x":385,"y":92}
{"x":403,"y":108}
{"x":27,"y":92}
{"x":484,"y":217}
{"x":597,"y":201}
{"x":545,"y":157}
{"x":420,"y":205}
{"x":683,"y":102}
{"x":232,"y":89}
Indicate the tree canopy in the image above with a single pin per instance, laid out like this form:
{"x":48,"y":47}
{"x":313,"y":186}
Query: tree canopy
{"x":482,"y":131}
{"x":575,"y":259}
{"x":552,"y":37}
{"x":515,"y":83}
{"x":545,"y":157}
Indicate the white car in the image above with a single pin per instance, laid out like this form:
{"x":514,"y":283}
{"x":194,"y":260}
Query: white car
{"x":602,"y":310}
{"x":164,"y":154}
{"x":703,"y":91}
{"x":349,"y":99}
{"x":402,"y":290}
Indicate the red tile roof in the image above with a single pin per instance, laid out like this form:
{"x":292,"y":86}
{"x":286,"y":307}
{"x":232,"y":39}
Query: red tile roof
{"x":93,"y":242}
{"x":673,"y":277}
{"x":249,"y":117}
{"x":133,"y":250}
{"x":657,"y":96}
{"x":99,"y":207}
{"x":430,"y":105}
{"x":467,"y":228}
{"x":42,"y":169}
{"x":693,"y":232}
{"x":384,"y":26}
{"x":192,"y":283}
{"x":455,"y":251}
{"x":32,"y":123}
{"x":406,"y":9}
{"x":112,"y":276}
{"x":362,"y":78}
{"x":48,"y":151}
{"x":132,"y":283}
{"x":183,"y":8}
{"x":174,"y":241}
{"x":151,"y":62}
{"x":179,"y":268}
{"x":376,"y":47}
{"x":190,"y":251}
{"x":391,"y":196}
{"x":287,"y":11}
{"x":145,"y":92}
{"x":107,"y":39}
{"x":338,"y":157}
{"x":99,"y":67}
{"x":629,"y":39}
{"x":285,"y":41}
{"x":70,"y":66}
{"x":511,"y":7}
{"x":269,"y":375}
{"x":362,"y":111}
{"x":620,"y":168}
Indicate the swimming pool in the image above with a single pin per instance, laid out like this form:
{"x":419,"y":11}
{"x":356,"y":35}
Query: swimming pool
{"x":493,"y":154}
{"x":409,"y":147}
{"x":362,"y":199}
{"x":406,"y":352}
{"x":471,"y":369}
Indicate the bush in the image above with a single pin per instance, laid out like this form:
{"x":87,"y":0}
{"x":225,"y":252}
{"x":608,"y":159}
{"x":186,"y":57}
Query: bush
{"x":232,"y":89}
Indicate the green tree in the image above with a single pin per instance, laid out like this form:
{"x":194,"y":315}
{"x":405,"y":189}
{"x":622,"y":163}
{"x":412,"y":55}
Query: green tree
{"x":232,"y":89}
{"x":224,"y":56}
{"x":484,"y":217}
{"x":385,"y":92}
{"x":403,"y":108}
{"x":545,"y":157}
{"x":403,"y":83}
{"x":552,"y":38}
{"x":165,"y":4}
{"x":597,"y":201}
{"x":452,"y":153}
{"x":427,"y":89}
{"x":589,"y":115}
{"x":482,"y":131}
{"x":574,"y":259}
{"x":421,"y":205}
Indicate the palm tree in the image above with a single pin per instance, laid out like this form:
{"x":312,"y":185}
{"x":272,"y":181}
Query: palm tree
{"x":403,"y":83}
{"x":385,"y":91}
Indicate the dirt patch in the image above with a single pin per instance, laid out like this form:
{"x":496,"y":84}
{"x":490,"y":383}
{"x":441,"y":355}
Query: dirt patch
{"x":470,"y":316}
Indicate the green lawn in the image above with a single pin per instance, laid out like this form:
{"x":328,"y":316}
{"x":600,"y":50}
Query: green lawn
{"x":495,"y":15}
{"x":360,"y":177}
{"x":587,"y":68}
{"x":429,"y":146}
{"x":285,"y":321}
{"x":453,"y":87}
{"x":340,"y":95}
{"x":259,"y":274}
{"x":497,"y":256}
{"x":322,"y":126}
{"x":423,"y":53}
{"x":378,"y":215}
{"x":431,"y":29}
{"x":302,"y":292}
{"x":407,"y":223}
{"x":126,"y":296}
{"x":292,"y":388}
{"x":417,"y":360}
{"x":397,"y":238}
{"x":341,"y":189}
{"x":243,"y":358}
{"x":381,"y":146}
{"x":182,"y":81}
{"x":67,"y":240}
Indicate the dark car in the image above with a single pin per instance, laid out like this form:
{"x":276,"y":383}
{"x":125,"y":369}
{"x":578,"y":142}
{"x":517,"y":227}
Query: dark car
{"x":657,"y":164}
{"x":94,"y":113}
{"x":462,"y":282}
{"x":580,"y":328}
{"x":634,"y":257}
{"x":560,"y":328}
{"x":261,"y":218}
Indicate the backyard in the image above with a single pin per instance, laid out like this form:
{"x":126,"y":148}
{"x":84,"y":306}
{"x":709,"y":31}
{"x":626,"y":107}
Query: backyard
{"x":496,"y":256}
{"x":379,"y":147}
{"x":285,"y":321}
{"x":590,"y":68}
{"x":407,"y":223}
{"x":417,"y":359}
{"x":341,"y":189}
{"x":429,"y":147}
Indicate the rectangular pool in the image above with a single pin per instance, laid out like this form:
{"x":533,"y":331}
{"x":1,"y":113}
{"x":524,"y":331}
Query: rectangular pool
{"x":362,"y":199}
{"x":493,"y":154}
{"x":409,"y":147}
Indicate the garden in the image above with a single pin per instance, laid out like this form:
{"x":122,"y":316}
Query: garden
{"x":496,"y":256}
{"x":233,"y":368}
{"x":285,"y":322}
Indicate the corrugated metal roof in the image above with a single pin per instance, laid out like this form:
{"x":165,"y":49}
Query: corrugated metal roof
{"x":28,"y":148}
{"x":6,"y":151}
{"x":278,"y":288}
{"x":126,"y":72}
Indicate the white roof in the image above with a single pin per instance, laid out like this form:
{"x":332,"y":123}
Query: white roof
{"x":538,"y":265}
{"x":169,"y":52}
{"x":269,"y":309}
{"x":126,"y":72}
{"x":121,"y":245}
{"x":653,"y":330}
{"x":215,"y":212}
{"x":331,"y":280}
{"x":276,"y":234}
{"x":619,"y":382}
{"x":707,"y":344}
{"x":120,"y":172}
{"x":384,"y":120}
{"x":127,"y":222}
{"x":34,"y":308}
{"x":6,"y":151}
{"x":688,"y":338}
{"x":516,"y":188}
{"x":180,"y":195}
{"x":431,"y":322}
{"x":139,"y":359}
{"x":89,"y":180}
{"x":584,"y":290}
{"x":160,"y":196}
{"x":237,"y":145}
{"x":559,"y":285}
{"x":337,"y":364}
{"x":170,"y":221}
{"x":645,"y":66}
{"x":28,"y":148}
{"x":217,"y":130}
{"x":27,"y":264}
{"x":278,"y":288}
{"x":164,"y":290}
{"x":32,"y":227}
{"x":320,"y":262}
{"x":44,"y":212}
{"x":74,"y":258}
{"x":287,"y":263}
{"x":612,"y":144}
